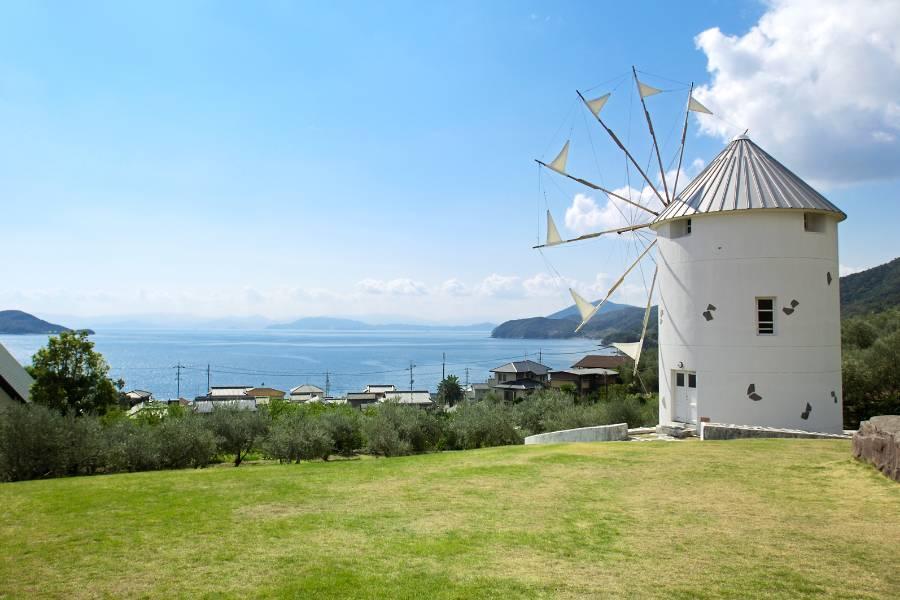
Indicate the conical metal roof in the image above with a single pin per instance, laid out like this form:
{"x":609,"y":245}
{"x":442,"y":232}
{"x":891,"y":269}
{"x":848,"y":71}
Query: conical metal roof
{"x":743,"y":177}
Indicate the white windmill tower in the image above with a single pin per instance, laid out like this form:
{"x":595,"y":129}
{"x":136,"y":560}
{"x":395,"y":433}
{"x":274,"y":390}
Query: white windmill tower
{"x":747,"y":286}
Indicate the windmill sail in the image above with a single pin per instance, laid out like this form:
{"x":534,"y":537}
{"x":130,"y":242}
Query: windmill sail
{"x":559,"y":163}
{"x":695,"y":106}
{"x":637,"y":359}
{"x":597,"y":104}
{"x":632,"y":349}
{"x":611,"y":290}
{"x":585,"y":308}
{"x":647,"y":90}
{"x":553,"y":237}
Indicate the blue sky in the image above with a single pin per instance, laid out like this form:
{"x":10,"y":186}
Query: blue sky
{"x":292,"y":159}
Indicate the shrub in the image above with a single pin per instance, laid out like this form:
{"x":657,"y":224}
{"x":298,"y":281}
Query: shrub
{"x":34,"y":443}
{"x":132,"y":446}
{"x":185,"y":442}
{"x":238,"y":430}
{"x":343,"y":425}
{"x":298,"y":437}
{"x":382,"y":435}
{"x":483,"y":424}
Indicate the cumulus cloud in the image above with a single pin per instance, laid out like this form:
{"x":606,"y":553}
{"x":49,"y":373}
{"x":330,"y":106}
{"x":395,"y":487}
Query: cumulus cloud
{"x":392,"y":287}
{"x":455,"y":287}
{"x":817,"y":82}
{"x":544,"y":284}
{"x":505,"y":286}
{"x":585,"y":216}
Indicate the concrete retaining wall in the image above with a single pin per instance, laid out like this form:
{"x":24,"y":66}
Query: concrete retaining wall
{"x":723,"y":431}
{"x":601,"y":433}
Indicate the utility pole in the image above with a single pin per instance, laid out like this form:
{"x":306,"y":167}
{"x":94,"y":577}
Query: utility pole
{"x":443,"y":365}
{"x":327,"y":383}
{"x":540,"y":354}
{"x":411,"y":380}
{"x":208,"y":388}
{"x":467,"y":377}
{"x":178,"y":368}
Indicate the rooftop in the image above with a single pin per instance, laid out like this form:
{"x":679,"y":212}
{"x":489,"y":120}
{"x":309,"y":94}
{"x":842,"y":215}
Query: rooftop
{"x":307,"y":388}
{"x":742,"y":177}
{"x":522,"y":366}
{"x":601,"y":361}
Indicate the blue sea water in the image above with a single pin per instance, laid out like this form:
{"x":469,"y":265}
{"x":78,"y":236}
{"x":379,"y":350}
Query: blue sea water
{"x":146,"y":359}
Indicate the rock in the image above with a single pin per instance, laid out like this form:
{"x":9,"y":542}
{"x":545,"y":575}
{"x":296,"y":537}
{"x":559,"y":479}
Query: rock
{"x":878,"y":442}
{"x":675,"y":430}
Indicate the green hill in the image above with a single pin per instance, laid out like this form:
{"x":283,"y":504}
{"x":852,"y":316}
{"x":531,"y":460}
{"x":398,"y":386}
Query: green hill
{"x":16,"y":322}
{"x":736,"y":519}
{"x":872,"y":290}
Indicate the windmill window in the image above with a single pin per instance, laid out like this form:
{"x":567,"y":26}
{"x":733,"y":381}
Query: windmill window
{"x":679,"y":379}
{"x":765,"y":316}
{"x":692,"y":380}
{"x":814,"y":222}
{"x":680,"y":228}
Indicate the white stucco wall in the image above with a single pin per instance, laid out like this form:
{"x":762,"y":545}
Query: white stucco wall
{"x":728,"y":261}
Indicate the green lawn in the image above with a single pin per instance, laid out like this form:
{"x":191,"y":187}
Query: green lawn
{"x":752,"y":518}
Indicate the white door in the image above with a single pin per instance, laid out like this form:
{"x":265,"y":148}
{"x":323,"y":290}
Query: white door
{"x":685,"y":397}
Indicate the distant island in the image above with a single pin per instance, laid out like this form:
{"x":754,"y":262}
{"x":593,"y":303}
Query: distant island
{"x":17,"y":322}
{"x":867,"y":291}
{"x":337,"y":324}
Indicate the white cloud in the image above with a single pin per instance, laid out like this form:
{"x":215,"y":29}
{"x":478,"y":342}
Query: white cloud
{"x":545,"y":285}
{"x":584,"y":216}
{"x":817,"y":82}
{"x":503,"y":286}
{"x":392,"y":287}
{"x":455,"y":287}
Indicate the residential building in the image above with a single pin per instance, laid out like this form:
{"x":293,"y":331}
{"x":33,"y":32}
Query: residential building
{"x":602,"y":361}
{"x":137,"y":396}
{"x":306,"y":393}
{"x":516,"y":380}
{"x":420,"y":398}
{"x":15,"y":382}
{"x":586,"y":381}
{"x":362,"y":399}
{"x":264,"y":395}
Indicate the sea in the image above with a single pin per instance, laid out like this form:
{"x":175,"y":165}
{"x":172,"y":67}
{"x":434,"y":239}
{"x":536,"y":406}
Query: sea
{"x":169,"y":362}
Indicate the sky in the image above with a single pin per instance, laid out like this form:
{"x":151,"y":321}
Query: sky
{"x":375,"y":160}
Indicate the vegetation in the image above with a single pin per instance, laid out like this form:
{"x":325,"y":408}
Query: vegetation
{"x":16,"y":322}
{"x":71,"y":378}
{"x":449,"y":391}
{"x":39,"y":442}
{"x":871,"y":366}
{"x":737,"y":519}
{"x":872,"y":290}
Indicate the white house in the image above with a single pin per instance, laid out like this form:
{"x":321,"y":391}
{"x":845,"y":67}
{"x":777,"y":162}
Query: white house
{"x":420,"y":398}
{"x":306,"y":393}
{"x":749,"y":306}
{"x":15,"y":382}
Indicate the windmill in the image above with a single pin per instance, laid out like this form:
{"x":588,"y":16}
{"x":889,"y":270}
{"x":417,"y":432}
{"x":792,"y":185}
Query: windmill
{"x":745,"y":270}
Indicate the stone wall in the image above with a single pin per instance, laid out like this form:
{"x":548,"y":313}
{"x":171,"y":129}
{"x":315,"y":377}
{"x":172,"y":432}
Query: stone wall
{"x":723,"y":431}
{"x":601,"y":433}
{"x":878,"y":442}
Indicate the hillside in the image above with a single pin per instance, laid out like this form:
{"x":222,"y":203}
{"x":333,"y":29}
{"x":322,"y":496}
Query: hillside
{"x":16,"y":322}
{"x":872,"y":290}
{"x":744,"y":518}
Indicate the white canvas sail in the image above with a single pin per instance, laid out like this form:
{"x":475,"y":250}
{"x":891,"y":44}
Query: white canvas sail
{"x":597,"y":104}
{"x":647,"y":90}
{"x":695,"y":106}
{"x":553,"y":237}
{"x":632,"y":349}
{"x":559,"y":163}
{"x":585,"y":308}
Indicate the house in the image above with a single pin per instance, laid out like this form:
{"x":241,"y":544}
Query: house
{"x":477,"y":391}
{"x":516,"y":380}
{"x":15,"y":382}
{"x":420,"y":398}
{"x":135,"y":397}
{"x":225,"y":397}
{"x":306,"y":393}
{"x":380,"y":388}
{"x":602,"y":361}
{"x":585,"y":380}
{"x":363,"y":399}
{"x":264,"y":395}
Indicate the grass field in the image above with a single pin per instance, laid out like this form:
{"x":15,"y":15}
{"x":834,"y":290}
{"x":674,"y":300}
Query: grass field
{"x":754,"y":518}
